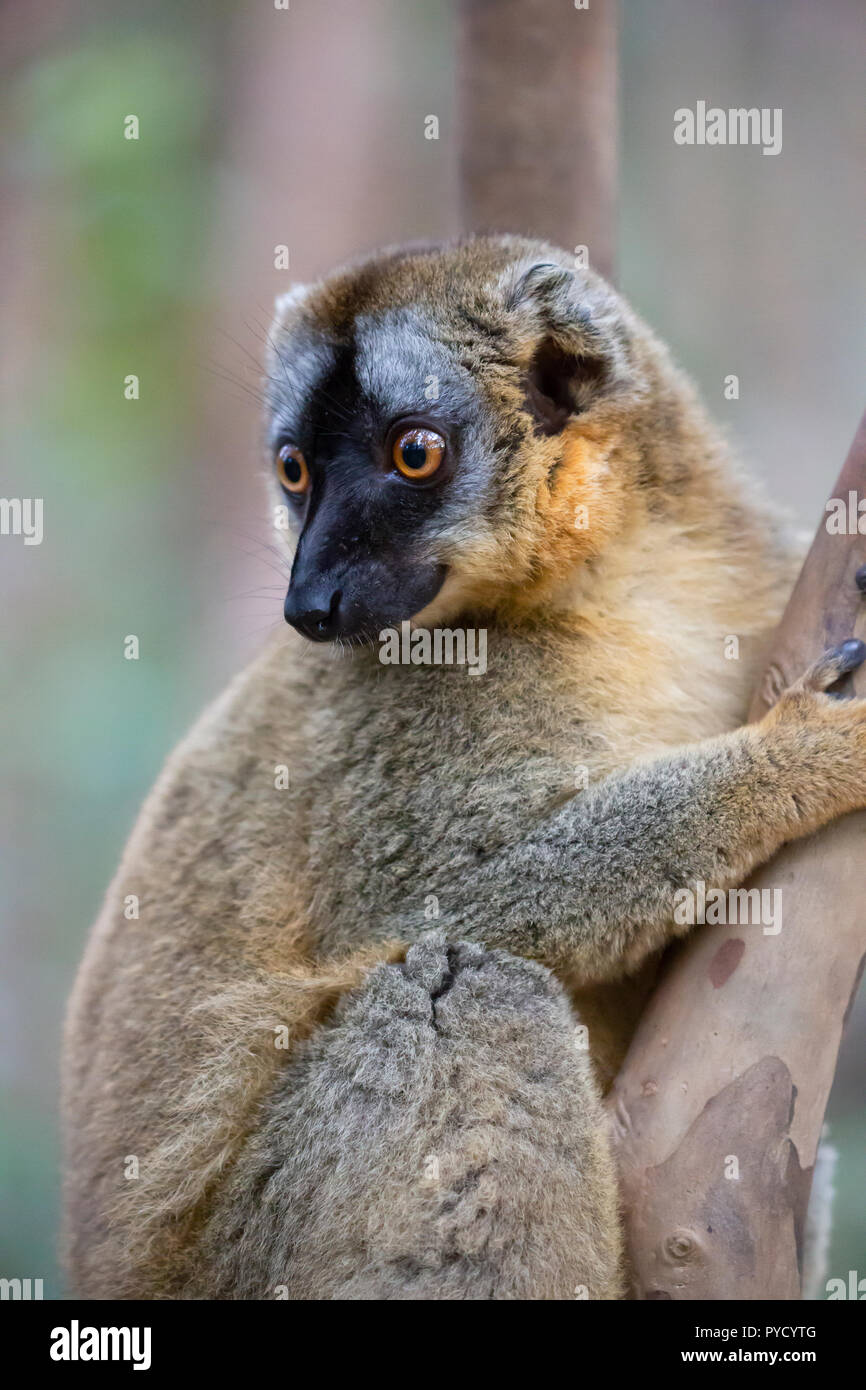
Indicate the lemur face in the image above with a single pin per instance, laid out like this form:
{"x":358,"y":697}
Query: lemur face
{"x":418,"y":404}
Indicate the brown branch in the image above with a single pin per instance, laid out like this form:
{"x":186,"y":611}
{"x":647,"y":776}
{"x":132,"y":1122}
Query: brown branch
{"x":538,"y":121}
{"x":733,"y":1060}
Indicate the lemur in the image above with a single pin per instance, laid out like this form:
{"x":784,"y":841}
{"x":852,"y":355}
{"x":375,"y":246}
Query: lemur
{"x":338,"y":1055}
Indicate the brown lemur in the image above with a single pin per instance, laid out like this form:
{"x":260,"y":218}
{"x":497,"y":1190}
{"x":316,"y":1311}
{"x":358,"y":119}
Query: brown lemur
{"x":339,"y":1053}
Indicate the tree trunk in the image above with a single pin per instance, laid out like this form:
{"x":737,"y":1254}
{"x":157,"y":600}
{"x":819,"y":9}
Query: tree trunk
{"x":538,"y":121}
{"x":718,"y":1108}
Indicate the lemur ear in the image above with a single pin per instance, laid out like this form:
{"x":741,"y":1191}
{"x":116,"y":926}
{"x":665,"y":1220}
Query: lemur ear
{"x":543,"y":284}
{"x":569,"y":361}
{"x":286,"y":304}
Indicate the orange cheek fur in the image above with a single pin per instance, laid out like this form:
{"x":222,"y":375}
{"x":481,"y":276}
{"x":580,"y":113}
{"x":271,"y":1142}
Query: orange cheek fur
{"x":580,"y":510}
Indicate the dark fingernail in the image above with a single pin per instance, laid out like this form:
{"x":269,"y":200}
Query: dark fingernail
{"x":860,"y":579}
{"x":851,"y":654}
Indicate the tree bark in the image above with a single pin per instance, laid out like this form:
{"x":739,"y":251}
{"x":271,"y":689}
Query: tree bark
{"x":538,"y":121}
{"x":718,"y":1108}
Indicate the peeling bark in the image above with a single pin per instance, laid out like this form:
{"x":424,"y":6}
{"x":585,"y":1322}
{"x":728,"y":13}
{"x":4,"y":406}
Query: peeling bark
{"x":718,"y":1107}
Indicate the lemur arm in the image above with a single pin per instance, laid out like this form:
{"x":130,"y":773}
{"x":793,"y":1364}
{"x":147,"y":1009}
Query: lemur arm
{"x":594,"y":884}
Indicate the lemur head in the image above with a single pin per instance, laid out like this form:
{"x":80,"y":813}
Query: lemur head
{"x":450,"y":428}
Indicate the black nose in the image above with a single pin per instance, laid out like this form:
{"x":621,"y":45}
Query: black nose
{"x":307,"y":612}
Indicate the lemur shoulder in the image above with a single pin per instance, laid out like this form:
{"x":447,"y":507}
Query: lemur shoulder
{"x":339,"y":1041}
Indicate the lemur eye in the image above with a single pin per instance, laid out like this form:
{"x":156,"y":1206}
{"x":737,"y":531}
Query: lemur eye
{"x":292,"y":470}
{"x":417,"y":453}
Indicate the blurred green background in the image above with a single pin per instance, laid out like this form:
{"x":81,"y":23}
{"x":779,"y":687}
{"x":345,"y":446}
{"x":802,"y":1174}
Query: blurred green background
{"x":155,"y":257}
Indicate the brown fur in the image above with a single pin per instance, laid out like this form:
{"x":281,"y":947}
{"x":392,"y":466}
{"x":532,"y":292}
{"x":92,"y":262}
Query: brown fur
{"x":263,"y":908}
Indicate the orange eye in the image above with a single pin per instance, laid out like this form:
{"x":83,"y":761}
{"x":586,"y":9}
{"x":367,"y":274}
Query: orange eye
{"x":292,"y":470}
{"x":417,"y":453}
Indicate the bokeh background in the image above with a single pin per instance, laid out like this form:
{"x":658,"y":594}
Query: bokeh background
{"x":262,"y":127}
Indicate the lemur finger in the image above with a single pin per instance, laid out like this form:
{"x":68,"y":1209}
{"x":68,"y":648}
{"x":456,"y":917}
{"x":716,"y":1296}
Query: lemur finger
{"x":471,"y":988}
{"x":835,"y":663}
{"x":496,"y":998}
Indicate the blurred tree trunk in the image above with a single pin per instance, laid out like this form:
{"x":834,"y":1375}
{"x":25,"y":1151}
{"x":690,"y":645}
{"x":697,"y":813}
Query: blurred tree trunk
{"x":538,"y":119}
